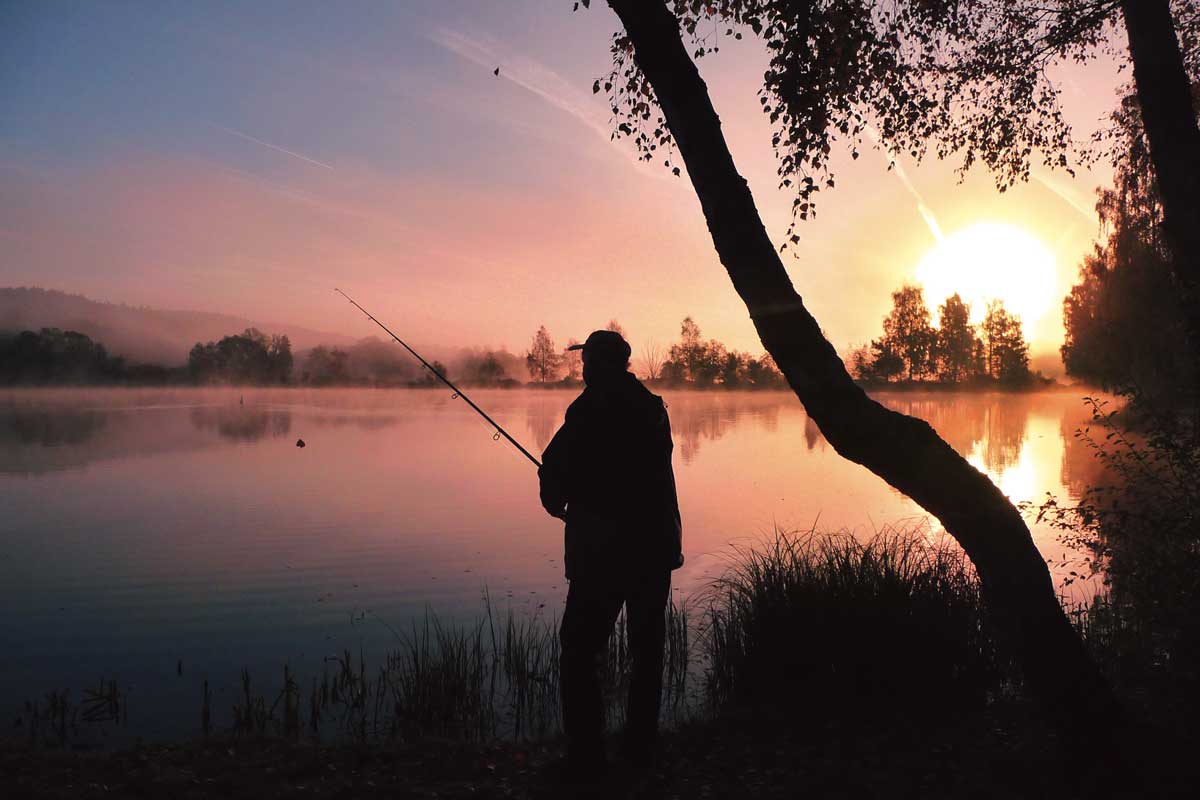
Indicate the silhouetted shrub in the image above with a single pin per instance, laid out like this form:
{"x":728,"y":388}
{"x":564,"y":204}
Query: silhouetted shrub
{"x":825,"y":623}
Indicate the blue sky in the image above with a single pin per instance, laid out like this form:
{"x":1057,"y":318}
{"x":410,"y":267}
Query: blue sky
{"x":246,"y":157}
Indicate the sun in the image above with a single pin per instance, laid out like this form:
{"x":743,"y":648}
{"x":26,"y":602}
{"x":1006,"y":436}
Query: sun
{"x":991,"y":261}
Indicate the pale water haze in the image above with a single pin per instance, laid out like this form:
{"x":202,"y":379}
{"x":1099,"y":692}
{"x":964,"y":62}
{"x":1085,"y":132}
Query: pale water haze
{"x":147,"y":528}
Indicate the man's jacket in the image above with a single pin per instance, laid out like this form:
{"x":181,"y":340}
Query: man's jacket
{"x":609,"y":466}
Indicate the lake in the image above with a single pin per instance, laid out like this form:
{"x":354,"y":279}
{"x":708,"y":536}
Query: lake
{"x":147,"y":532}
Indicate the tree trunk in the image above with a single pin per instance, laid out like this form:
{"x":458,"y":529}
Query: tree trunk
{"x":1164,"y":93}
{"x":904,"y":451}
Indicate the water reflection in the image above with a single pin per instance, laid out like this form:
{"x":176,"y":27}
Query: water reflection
{"x":542,"y":418}
{"x":812,"y":434}
{"x":368,"y":422}
{"x":47,"y":428}
{"x":44,"y":438}
{"x":995,"y":425}
{"x":991,"y":429}
{"x":1081,"y":469}
{"x":697,"y":417}
{"x":242,"y":424}
{"x":52,"y":430}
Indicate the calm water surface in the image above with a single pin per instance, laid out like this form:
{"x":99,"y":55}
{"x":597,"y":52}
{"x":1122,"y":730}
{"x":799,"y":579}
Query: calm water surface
{"x":144,"y":528}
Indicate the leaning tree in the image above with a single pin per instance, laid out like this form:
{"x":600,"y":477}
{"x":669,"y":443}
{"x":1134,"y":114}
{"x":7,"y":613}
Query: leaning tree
{"x":962,"y":78}
{"x":959,"y":77}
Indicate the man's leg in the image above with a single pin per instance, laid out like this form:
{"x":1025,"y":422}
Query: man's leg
{"x":592,"y":608}
{"x":645,"y":609}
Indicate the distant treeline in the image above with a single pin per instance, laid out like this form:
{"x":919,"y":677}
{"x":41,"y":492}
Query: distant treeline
{"x":373,"y":362}
{"x":910,"y":349}
{"x":955,"y":353}
{"x":54,"y":356}
{"x":691,"y":362}
{"x":254,"y":357}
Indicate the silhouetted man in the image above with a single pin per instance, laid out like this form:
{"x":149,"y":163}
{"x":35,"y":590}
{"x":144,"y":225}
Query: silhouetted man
{"x":607,"y":473}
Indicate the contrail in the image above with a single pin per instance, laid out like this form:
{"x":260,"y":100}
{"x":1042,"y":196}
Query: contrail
{"x":925,"y":211}
{"x":530,"y":75}
{"x":1068,"y":197}
{"x":275,"y":147}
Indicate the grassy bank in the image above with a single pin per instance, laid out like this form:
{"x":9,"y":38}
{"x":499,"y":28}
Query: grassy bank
{"x":999,"y":754}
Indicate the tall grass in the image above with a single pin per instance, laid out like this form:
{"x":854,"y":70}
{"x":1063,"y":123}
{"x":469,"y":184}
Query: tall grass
{"x":823,"y":621}
{"x":497,"y":678}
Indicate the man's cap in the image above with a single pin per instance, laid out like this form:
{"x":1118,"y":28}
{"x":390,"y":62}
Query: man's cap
{"x":608,"y":345}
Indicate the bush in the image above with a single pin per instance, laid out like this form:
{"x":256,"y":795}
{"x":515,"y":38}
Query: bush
{"x":1139,"y":526}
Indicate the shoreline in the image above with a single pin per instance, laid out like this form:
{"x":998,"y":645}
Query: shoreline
{"x":1004,"y":751}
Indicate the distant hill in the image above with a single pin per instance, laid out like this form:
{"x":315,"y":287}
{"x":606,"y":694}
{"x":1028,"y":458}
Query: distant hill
{"x":140,"y":334}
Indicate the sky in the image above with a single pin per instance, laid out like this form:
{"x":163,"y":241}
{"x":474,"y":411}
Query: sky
{"x":249,"y":157}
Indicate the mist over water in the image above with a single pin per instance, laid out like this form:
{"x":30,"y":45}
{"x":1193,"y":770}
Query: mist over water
{"x":144,"y":528}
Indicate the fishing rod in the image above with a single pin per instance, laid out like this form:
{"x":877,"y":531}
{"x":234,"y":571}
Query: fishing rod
{"x":457,"y":391}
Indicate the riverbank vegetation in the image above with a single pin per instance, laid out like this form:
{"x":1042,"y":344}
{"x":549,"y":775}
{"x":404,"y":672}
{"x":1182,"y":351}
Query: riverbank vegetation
{"x":811,"y":655}
{"x":58,"y":357}
{"x":1125,"y":329}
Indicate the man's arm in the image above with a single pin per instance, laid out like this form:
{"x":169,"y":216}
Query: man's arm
{"x":673,"y":521}
{"x":552,"y":475}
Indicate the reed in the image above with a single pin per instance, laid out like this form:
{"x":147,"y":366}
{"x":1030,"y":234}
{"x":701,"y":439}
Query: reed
{"x":205,"y":710}
{"x":829,"y":623}
{"x":494,"y":679}
{"x":105,"y":703}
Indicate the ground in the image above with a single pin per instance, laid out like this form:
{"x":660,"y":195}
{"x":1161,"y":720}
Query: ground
{"x":1002,"y":753}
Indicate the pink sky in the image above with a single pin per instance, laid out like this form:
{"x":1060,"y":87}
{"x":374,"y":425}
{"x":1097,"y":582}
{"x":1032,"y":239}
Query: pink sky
{"x":235,"y":163}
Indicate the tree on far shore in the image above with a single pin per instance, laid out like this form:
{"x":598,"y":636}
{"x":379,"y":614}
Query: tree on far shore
{"x":326,"y":367}
{"x":543,"y":359}
{"x":956,"y":341}
{"x":246,"y":358}
{"x":694,"y":361}
{"x":954,"y":352}
{"x":54,"y":356}
{"x":652,"y":360}
{"x":908,"y":331}
{"x":573,"y":361}
{"x":1006,"y":353}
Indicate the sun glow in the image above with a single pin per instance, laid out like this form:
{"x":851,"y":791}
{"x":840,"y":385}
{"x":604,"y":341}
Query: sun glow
{"x":991,"y":261}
